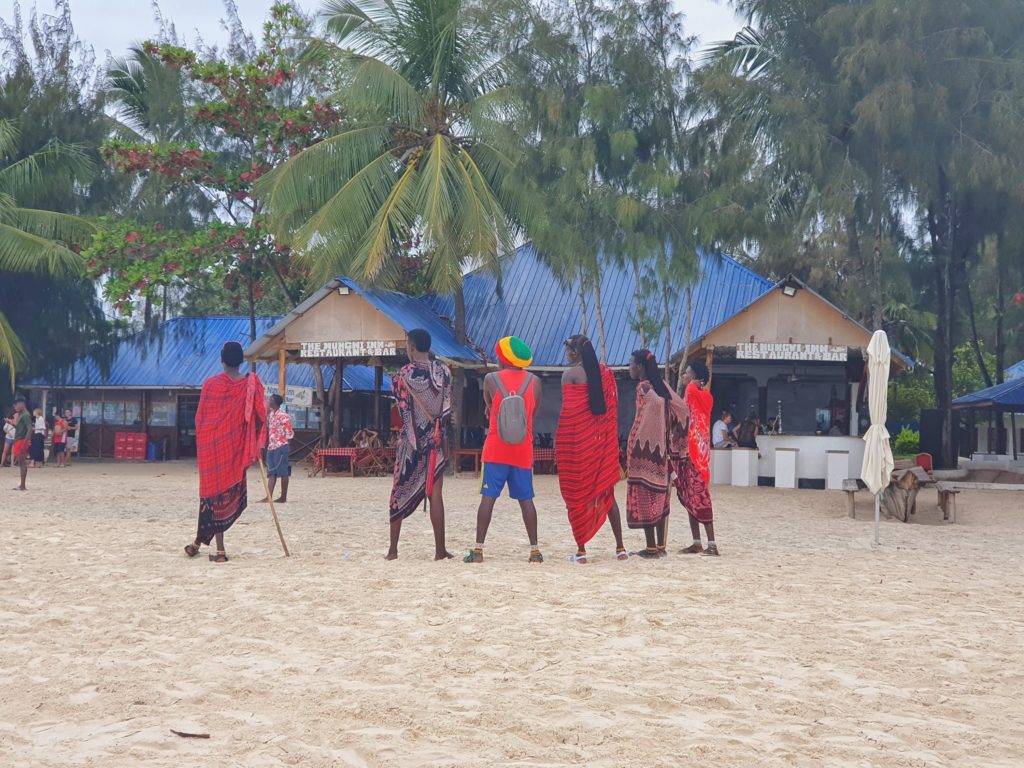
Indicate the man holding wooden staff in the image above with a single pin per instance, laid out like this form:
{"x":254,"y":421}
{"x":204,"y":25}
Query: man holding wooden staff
{"x":231,"y":426}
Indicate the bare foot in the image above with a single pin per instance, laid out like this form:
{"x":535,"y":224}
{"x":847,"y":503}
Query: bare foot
{"x":391,"y":556}
{"x":693,"y":549}
{"x":264,"y":500}
{"x":280,"y":501}
{"x":446,"y":556}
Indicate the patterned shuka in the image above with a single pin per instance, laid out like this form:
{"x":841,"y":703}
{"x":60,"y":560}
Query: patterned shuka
{"x":656,"y":437}
{"x":231,"y":426}
{"x":432,"y":383}
{"x":587,"y":453}
{"x":693,"y":471}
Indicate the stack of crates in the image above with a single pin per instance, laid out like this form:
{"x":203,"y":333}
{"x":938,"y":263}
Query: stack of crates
{"x":130,"y":446}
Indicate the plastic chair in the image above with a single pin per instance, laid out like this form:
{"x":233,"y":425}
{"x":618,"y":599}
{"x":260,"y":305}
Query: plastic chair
{"x":924,"y":461}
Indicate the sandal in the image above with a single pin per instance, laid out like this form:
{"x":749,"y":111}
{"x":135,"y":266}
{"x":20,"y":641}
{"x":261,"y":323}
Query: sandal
{"x":473,"y":557}
{"x":191,"y":550}
{"x":711,"y":551}
{"x":693,"y":549}
{"x":621,"y":555}
{"x":577,"y":558}
{"x":647,"y":554}
{"x":663,"y":551}
{"x":220,"y":557}
{"x":536,"y":557}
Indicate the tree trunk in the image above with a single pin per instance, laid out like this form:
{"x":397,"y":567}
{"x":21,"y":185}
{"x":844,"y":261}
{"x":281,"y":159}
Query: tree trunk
{"x":638,"y":297}
{"x":583,"y":305}
{"x":975,"y":342}
{"x":668,"y":331}
{"x":321,"y":396}
{"x":252,"y":308}
{"x":684,"y":359}
{"x":147,"y":312}
{"x":941,"y":229}
{"x":458,"y":375}
{"x":600,"y":318}
{"x":1000,"y":308}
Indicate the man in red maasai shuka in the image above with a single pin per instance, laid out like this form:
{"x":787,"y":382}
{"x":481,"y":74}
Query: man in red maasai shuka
{"x":230,"y":431}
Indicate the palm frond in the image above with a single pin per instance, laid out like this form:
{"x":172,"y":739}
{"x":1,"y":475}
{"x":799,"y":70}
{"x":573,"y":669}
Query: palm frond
{"x":378,"y":88}
{"x":12,"y":353}
{"x":22,"y":251}
{"x":746,"y":54}
{"x":53,"y":165}
{"x":51,"y":225}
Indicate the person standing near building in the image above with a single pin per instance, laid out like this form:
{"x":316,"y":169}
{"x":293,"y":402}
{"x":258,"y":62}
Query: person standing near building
{"x":58,"y":448}
{"x":72,"y":445}
{"x":658,"y":434}
{"x":231,"y":426}
{"x":38,"y":449}
{"x":587,"y":447}
{"x":511,"y":397}
{"x":22,"y":439}
{"x":279,"y":432}
{"x":9,"y":430}
{"x":693,"y":471}
{"x":423,"y":395}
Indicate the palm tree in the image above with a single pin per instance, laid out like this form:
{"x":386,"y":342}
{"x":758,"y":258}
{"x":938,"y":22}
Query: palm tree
{"x":430,"y":152}
{"x":33,"y":240}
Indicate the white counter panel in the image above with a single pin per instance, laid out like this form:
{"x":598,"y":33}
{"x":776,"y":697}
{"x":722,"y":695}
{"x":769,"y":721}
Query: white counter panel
{"x":812,"y":463}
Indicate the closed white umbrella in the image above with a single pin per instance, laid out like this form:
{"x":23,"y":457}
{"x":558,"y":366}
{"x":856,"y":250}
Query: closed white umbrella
{"x":878,"y":464}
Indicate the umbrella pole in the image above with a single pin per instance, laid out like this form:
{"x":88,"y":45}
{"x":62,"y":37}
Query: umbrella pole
{"x":878,"y":515}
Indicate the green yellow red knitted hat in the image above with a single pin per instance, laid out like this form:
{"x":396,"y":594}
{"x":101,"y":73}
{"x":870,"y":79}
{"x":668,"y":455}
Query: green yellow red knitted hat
{"x":513,"y":351}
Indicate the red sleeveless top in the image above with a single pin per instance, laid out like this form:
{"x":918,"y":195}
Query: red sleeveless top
{"x":497,"y":452}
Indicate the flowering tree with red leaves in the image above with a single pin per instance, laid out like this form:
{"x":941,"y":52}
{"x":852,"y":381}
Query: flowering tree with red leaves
{"x":248,"y":117}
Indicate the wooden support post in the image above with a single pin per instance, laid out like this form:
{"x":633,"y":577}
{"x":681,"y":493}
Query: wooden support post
{"x":281,"y":380}
{"x":710,"y":361}
{"x":378,"y":385}
{"x":336,"y":412}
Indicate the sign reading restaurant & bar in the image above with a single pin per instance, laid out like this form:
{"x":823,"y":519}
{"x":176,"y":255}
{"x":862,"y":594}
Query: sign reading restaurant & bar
{"x":348,"y":349}
{"x":759,"y":350}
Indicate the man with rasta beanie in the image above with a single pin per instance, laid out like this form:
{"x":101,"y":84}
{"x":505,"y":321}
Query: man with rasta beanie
{"x":511,"y":397}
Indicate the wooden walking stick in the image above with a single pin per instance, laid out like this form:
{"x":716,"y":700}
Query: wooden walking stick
{"x":273,"y":511}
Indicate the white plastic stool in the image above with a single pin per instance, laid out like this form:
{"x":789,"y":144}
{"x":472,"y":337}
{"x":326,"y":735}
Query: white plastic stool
{"x":837,"y":469}
{"x":744,"y":467}
{"x":785,"y":467}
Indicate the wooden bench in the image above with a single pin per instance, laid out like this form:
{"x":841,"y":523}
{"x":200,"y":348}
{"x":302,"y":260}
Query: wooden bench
{"x":947,"y":499}
{"x":850,"y":487}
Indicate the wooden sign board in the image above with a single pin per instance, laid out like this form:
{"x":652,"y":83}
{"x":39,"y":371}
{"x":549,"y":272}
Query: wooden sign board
{"x":298,"y":397}
{"x":314,"y":349}
{"x":776,"y":351}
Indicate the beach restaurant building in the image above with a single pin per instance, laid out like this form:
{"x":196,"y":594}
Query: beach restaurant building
{"x":150,"y":383}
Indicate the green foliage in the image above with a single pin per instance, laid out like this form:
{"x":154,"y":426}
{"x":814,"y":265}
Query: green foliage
{"x":967,"y":376}
{"x":907,"y":442}
{"x":909,"y":395}
{"x":431,"y":156}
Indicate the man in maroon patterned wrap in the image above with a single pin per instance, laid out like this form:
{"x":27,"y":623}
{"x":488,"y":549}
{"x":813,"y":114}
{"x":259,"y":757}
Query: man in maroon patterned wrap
{"x":230,"y":431}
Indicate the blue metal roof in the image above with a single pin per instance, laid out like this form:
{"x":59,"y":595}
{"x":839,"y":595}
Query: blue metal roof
{"x":409,"y":312}
{"x":182,"y":353}
{"x":537,"y":307}
{"x":1015,"y":371}
{"x":1009,"y":396}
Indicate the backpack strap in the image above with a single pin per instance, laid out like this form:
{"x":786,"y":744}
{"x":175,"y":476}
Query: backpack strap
{"x":504,"y":390}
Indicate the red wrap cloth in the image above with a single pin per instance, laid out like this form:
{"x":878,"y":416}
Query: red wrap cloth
{"x":700,"y":402}
{"x":231,"y":428}
{"x":587,"y":452}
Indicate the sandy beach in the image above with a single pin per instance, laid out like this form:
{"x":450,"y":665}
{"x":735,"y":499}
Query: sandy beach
{"x":803,"y":645}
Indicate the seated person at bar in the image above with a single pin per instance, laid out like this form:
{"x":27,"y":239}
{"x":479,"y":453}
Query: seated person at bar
{"x":838,"y":429}
{"x":748,"y":432}
{"x":721,"y":436}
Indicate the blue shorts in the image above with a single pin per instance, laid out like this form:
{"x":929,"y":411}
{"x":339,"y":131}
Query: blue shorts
{"x":277,"y":462}
{"x":495,"y":476}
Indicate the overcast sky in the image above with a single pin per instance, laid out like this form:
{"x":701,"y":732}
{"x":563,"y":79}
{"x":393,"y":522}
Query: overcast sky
{"x":114,"y":25}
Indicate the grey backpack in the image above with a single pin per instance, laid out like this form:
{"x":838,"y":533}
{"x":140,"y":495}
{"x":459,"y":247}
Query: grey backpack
{"x":512,"y":420}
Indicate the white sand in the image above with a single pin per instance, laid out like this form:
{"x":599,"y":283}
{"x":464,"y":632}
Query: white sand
{"x":802,"y":646}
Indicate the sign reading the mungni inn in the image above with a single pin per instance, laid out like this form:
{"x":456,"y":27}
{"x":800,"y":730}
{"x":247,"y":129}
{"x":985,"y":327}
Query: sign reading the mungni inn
{"x":757,"y":350}
{"x":348,"y":349}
